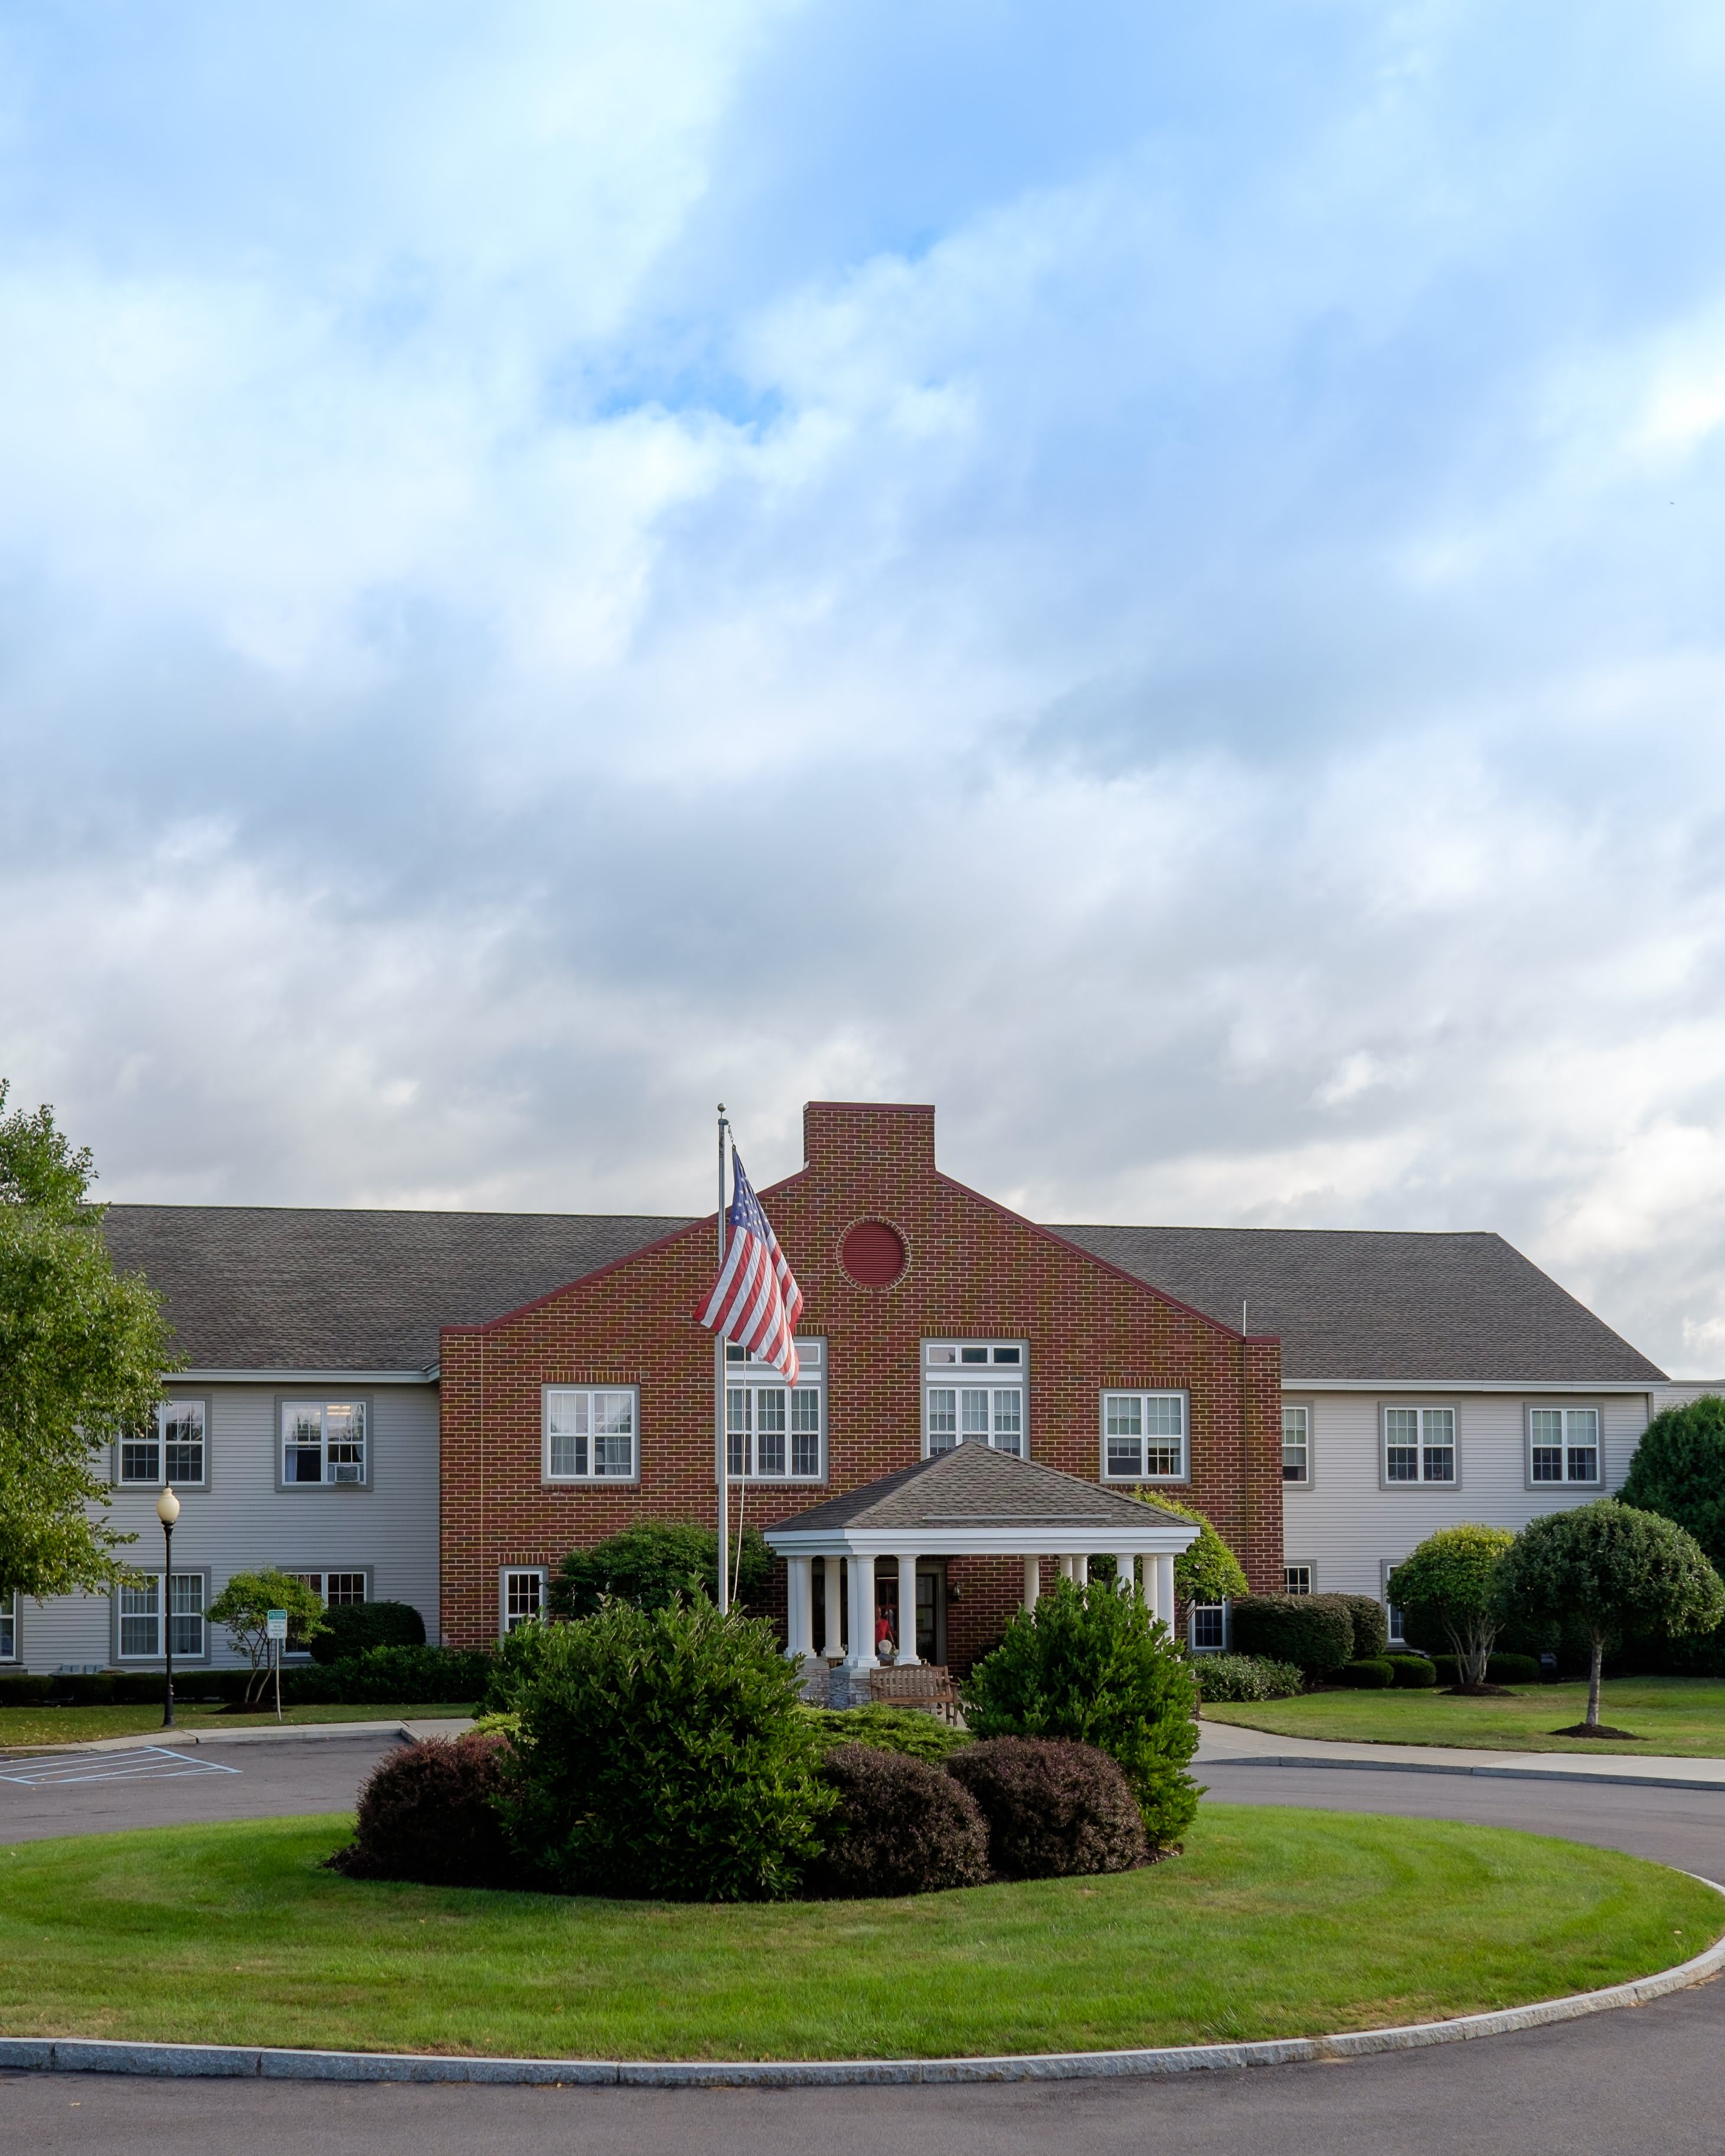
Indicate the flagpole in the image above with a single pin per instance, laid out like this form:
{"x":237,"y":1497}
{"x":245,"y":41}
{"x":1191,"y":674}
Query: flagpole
{"x":721,"y":1449}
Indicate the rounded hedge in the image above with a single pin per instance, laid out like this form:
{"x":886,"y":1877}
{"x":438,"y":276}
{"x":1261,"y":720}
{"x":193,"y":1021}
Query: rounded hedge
{"x":1055,"y":1809}
{"x":351,"y":1628}
{"x":1373,"y":1674}
{"x":900,"y":1826}
{"x":427,"y":1813}
{"x":1371,"y":1626}
{"x":1315,"y":1632}
{"x":1225,"y":1678}
{"x":1413,"y":1672}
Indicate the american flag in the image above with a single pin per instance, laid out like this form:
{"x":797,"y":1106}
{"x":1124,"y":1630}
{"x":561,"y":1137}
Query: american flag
{"x":756,"y":1300}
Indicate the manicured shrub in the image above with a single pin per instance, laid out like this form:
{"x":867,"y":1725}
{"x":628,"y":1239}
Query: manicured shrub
{"x":899,"y":1826}
{"x":1055,"y":1809}
{"x":1374,"y":1675}
{"x":427,"y":1813}
{"x":1512,"y":1670}
{"x":1313,"y":1631}
{"x":145,"y":1687}
{"x":665,"y":1753}
{"x":1222,"y":1678}
{"x":1371,"y":1627}
{"x":24,"y":1691}
{"x":391,"y":1677}
{"x":655,"y":1565}
{"x":1091,"y":1664}
{"x":887,"y":1728}
{"x":96,"y":1690}
{"x":1412,"y":1672}
{"x":353,"y":1628}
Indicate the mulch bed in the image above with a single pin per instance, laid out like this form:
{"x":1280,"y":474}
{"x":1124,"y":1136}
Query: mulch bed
{"x":1617,"y":1735}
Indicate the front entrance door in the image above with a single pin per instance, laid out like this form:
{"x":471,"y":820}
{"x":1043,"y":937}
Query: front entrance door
{"x":931,"y":1613}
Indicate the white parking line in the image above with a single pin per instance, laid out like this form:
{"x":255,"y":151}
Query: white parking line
{"x":157,"y":1764}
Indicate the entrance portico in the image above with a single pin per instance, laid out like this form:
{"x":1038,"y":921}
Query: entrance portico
{"x":971,"y":1501}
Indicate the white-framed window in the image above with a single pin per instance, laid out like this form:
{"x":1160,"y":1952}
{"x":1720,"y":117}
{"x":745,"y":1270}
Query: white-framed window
{"x":9,"y":1629}
{"x":1562,"y":1445}
{"x":776,"y":1432}
{"x":1143,"y":1437}
{"x":1392,"y":1615}
{"x":521,"y":1595}
{"x":976,"y":1392}
{"x":1206,"y":1627}
{"x":334,"y":1590}
{"x":324,"y":1441}
{"x":590,"y":1433}
{"x":1296,"y":1579}
{"x":172,"y":1450}
{"x":1295,"y":1442}
{"x":1419,"y":1445}
{"x":140,"y":1618}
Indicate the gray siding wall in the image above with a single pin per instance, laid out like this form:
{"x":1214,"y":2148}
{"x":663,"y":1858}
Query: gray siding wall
{"x":243,"y":1520}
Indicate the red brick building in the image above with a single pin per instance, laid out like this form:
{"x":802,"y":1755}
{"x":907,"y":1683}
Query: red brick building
{"x":933,"y":1317}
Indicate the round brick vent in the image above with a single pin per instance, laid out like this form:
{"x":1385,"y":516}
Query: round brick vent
{"x":873,"y":1254}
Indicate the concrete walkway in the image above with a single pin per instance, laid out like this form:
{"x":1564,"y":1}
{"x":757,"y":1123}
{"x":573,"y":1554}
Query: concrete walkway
{"x":1224,"y":1743}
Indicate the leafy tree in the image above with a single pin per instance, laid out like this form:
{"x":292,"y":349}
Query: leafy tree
{"x":83,"y":1350}
{"x":243,"y":1607}
{"x":1448,"y":1589}
{"x":655,"y":1565}
{"x":1091,"y":1663}
{"x":1610,"y":1568}
{"x":1208,"y":1570}
{"x":1679,"y":1472}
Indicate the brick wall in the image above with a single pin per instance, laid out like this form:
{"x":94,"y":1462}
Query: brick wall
{"x":973,"y":1269}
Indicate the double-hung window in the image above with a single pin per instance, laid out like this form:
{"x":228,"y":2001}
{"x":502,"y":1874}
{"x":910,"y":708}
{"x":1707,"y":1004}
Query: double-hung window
{"x":1143,"y":1437}
{"x":1419,"y":1445}
{"x":334,"y":1590}
{"x":324,"y":1441}
{"x":171,"y":1450}
{"x":776,"y":1432}
{"x":521,"y":1596}
{"x":1208,"y":1626}
{"x":1563,"y":1445}
{"x":976,"y":1392}
{"x":591,"y":1432}
{"x":140,"y":1618}
{"x":9,"y":1629}
{"x":1296,"y":1444}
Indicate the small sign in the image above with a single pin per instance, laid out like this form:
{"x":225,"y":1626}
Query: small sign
{"x":275,"y":1623}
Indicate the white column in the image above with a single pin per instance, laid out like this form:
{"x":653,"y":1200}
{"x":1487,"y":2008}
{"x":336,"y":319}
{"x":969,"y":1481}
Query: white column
{"x":1066,"y":1568}
{"x":1033,"y":1581}
{"x":799,"y":1607}
{"x":834,"y":1601}
{"x":908,"y":1655}
{"x":1163,"y":1605}
{"x":1080,"y":1570}
{"x":861,"y":1656}
{"x":1126,"y":1574}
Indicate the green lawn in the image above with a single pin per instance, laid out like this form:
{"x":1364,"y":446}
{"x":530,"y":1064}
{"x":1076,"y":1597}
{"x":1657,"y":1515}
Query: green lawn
{"x":32,"y":1726}
{"x":1273,"y":1922}
{"x":1682,"y":1716}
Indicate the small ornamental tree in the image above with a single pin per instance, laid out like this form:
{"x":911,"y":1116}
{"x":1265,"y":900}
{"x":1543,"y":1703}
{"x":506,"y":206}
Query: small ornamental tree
{"x":1679,"y":1472}
{"x":1448,"y":1589}
{"x":1091,"y":1663}
{"x":1610,"y":1568}
{"x":655,"y":1565}
{"x":1207,"y":1570}
{"x":243,"y":1607}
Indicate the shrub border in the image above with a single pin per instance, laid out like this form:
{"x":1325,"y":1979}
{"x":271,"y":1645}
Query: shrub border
{"x":77,"y":2055}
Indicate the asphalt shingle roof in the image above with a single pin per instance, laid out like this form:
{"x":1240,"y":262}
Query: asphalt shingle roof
{"x":971,"y":1486}
{"x":1378,"y":1304}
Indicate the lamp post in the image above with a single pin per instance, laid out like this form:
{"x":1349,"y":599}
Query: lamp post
{"x":167,"y":1511}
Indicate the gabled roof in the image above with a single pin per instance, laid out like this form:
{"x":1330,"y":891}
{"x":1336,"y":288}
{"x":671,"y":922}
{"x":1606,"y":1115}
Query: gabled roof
{"x":1379,"y":1305}
{"x":971,"y":1486}
{"x":265,"y":1287}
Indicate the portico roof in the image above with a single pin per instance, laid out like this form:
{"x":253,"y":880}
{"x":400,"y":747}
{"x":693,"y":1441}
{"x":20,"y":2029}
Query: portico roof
{"x":972,"y":1499}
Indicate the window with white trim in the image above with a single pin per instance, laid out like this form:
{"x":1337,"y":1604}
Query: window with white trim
{"x":334,"y":1590}
{"x":1296,"y":1579}
{"x":140,"y":1618}
{"x":976,"y":1392}
{"x":521,"y":1595}
{"x":1143,"y":1437}
{"x":590,"y":1433}
{"x":1391,"y":1616}
{"x":1206,"y":1627}
{"x":1563,"y":1444}
{"x":170,"y":1452}
{"x":323,"y":1441}
{"x":1295,"y":1444}
{"x":9,"y":1629}
{"x":776,"y":1432}
{"x":1419,"y":1445}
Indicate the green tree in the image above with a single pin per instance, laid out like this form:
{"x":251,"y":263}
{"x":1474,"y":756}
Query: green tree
{"x":243,"y":1607}
{"x":1679,"y":1472}
{"x":1208,"y":1570}
{"x":1610,"y":1568}
{"x":653,"y":1565}
{"x":83,"y":1351}
{"x":1449,"y":1588}
{"x":1092,"y":1663}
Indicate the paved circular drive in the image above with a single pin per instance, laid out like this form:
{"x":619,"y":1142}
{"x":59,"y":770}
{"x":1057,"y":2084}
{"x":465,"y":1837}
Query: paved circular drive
{"x":1646,"y":2079}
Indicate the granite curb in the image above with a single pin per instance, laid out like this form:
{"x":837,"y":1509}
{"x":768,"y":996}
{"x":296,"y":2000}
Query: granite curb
{"x":68,"y":2055}
{"x":300,"y":1733}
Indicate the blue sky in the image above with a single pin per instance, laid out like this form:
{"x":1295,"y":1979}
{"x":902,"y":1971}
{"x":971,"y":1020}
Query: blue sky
{"x":1155,"y":582}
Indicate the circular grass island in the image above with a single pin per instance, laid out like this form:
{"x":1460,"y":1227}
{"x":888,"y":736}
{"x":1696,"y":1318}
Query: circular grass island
{"x":1272,"y":1923}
